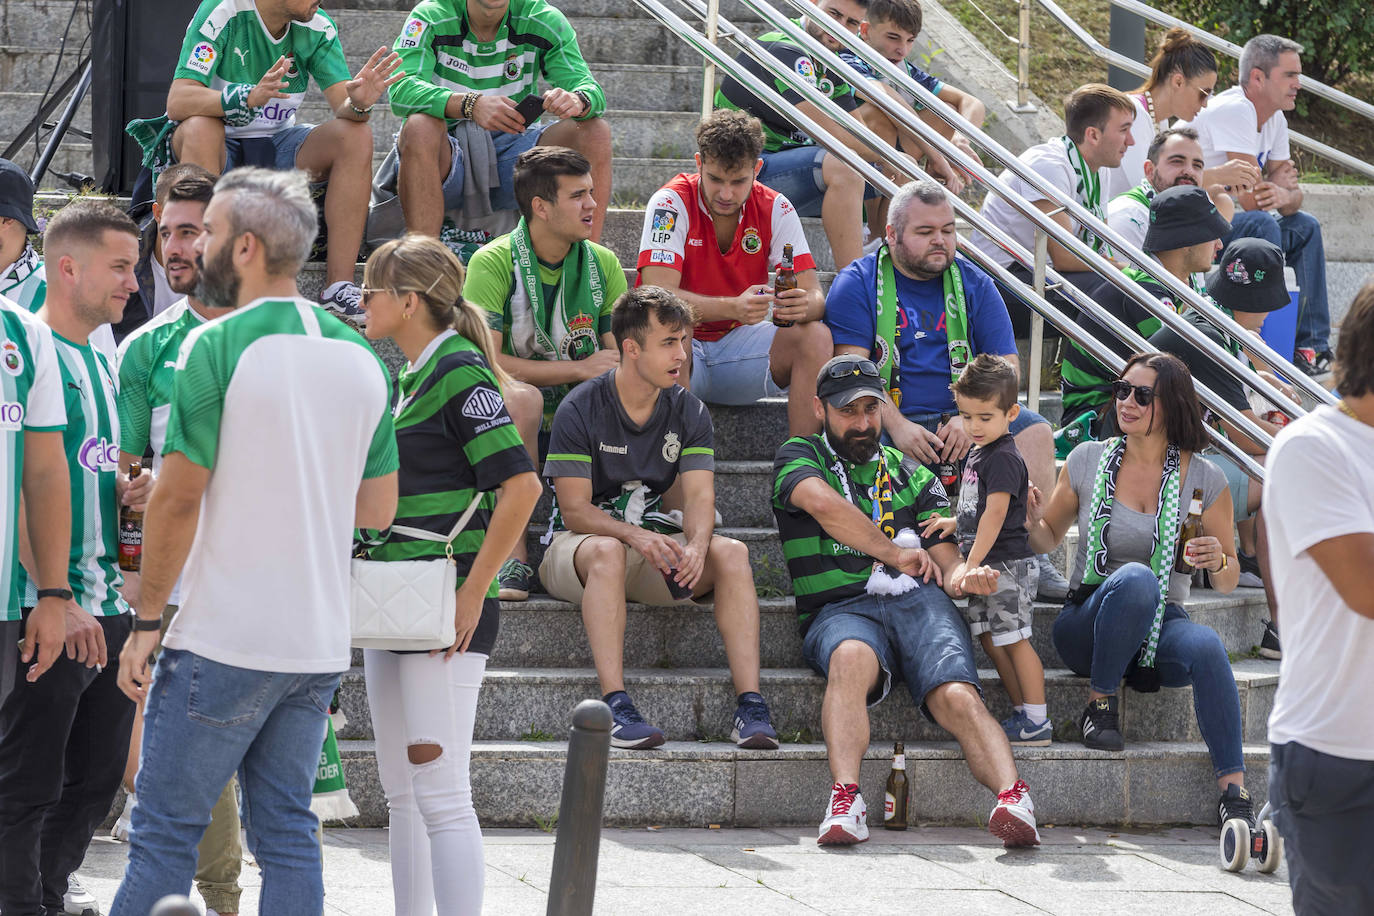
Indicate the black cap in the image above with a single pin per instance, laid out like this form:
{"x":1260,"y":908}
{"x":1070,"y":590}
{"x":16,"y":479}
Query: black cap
{"x":16,"y":195}
{"x":1182,"y":216}
{"x":845,"y":379}
{"x":1250,"y":277}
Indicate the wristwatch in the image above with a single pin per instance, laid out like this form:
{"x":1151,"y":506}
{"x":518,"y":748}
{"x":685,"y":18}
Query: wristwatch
{"x":64,"y":594}
{"x":144,"y":624}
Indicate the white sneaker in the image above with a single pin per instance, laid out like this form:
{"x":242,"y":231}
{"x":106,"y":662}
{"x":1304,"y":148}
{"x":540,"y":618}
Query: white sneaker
{"x":848,"y":820}
{"x":1014,"y":817}
{"x":124,"y":826}
{"x":78,"y":901}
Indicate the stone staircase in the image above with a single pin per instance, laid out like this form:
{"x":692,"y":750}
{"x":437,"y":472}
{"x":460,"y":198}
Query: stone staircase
{"x":677,"y":672}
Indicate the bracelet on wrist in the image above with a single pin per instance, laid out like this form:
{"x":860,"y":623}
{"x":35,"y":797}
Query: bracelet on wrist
{"x":469,"y":105}
{"x":361,"y":111}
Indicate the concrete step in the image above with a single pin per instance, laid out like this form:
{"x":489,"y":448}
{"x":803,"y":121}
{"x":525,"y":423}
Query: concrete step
{"x":712,"y":783}
{"x":693,"y":704}
{"x":543,"y":632}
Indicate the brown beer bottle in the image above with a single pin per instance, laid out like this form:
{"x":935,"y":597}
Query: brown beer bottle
{"x":1192,"y":528}
{"x":131,"y":530}
{"x":785,"y":279}
{"x":894,"y":801}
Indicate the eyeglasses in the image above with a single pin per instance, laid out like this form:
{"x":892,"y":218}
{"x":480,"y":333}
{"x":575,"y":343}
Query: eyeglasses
{"x":854,"y":367}
{"x":1144,"y":394}
{"x":1204,"y":94}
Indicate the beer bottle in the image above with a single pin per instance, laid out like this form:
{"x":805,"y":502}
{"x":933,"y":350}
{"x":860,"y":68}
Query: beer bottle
{"x":894,"y":801}
{"x":785,"y":279}
{"x":1192,"y":528}
{"x":131,"y":530}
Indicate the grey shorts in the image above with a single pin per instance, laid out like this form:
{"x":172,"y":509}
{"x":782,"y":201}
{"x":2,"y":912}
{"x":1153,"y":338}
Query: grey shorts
{"x":1007,"y":612}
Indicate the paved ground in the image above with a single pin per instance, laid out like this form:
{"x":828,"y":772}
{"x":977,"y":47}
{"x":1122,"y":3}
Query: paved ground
{"x":781,"y":871}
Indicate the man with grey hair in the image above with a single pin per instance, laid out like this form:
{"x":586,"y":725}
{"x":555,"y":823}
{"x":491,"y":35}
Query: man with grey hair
{"x":255,"y":652}
{"x":922,"y":313}
{"x":1246,"y":122}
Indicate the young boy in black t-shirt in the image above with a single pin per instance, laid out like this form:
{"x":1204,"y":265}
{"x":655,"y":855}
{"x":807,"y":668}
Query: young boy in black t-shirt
{"x":990,"y":524}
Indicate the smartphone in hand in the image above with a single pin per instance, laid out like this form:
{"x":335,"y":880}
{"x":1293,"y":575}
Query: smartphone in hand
{"x":530,"y":108}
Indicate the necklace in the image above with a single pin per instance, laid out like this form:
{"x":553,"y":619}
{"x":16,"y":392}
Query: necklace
{"x":1345,"y":409}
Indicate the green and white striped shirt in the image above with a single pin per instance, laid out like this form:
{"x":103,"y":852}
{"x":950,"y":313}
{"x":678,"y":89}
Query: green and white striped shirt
{"x":30,"y":399}
{"x":25,"y":282}
{"x":147,"y":364}
{"x":91,"y":441}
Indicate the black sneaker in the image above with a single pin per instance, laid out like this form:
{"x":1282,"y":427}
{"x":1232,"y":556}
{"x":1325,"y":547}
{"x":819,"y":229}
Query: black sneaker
{"x":1235,"y":802}
{"x":1269,"y":643}
{"x":1101,"y":725}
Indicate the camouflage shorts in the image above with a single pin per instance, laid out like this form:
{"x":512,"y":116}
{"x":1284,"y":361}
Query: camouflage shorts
{"x":1006,"y":613}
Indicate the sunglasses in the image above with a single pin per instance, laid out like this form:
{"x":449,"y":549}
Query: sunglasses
{"x":370,"y":291}
{"x":855,"y":367}
{"x":1144,"y":394}
{"x":1204,"y":94}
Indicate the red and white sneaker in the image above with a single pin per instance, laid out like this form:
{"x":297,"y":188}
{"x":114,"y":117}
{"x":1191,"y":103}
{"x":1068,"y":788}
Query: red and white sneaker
{"x":1014,"y":817}
{"x":848,"y":820}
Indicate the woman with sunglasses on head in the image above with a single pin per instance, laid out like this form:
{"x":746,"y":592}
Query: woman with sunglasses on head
{"x":1124,"y":618}
{"x":457,"y":444}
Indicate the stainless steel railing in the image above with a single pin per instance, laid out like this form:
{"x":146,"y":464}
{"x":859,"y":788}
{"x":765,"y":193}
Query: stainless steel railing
{"x":905,"y":165}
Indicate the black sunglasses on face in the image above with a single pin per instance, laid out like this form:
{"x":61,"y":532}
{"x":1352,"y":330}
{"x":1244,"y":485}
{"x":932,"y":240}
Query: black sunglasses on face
{"x":1144,"y":394}
{"x":855,"y":367}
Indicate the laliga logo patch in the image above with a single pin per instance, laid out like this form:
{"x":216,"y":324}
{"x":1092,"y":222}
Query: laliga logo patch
{"x":1236,"y":273}
{"x":411,"y":32}
{"x":751,"y":243}
{"x":806,"y":69}
{"x":512,"y":69}
{"x":672,"y":447}
{"x":98,"y":455}
{"x":11,"y":358}
{"x":202,"y":57}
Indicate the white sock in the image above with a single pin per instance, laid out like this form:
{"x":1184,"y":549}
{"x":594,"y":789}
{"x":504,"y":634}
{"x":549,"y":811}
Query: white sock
{"x":1036,"y":712}
{"x":1018,"y":709}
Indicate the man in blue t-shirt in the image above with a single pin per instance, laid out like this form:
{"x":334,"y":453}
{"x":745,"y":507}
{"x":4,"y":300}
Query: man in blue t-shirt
{"x":940,"y":312}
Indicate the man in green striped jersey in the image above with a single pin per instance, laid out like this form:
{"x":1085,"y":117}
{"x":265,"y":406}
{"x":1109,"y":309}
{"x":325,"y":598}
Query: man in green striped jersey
{"x":548,"y":291}
{"x":21,"y":267}
{"x":147,"y":367}
{"x":263,"y":480}
{"x":63,"y":739}
{"x":869,"y":603}
{"x":244,"y":69}
{"x":477,"y":60}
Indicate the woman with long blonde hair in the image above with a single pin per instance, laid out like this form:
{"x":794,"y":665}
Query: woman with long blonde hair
{"x":456,"y":444}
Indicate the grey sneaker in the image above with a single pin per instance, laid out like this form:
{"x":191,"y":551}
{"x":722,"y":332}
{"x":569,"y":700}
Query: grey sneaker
{"x":1053,"y":586}
{"x":514,"y":580}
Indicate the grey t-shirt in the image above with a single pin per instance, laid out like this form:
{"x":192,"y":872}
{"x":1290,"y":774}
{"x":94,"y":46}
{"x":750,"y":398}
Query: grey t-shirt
{"x":1131,"y":535}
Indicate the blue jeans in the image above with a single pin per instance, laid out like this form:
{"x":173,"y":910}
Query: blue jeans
{"x":1300,"y":237}
{"x":203,"y":722}
{"x":1099,"y":639}
{"x":796,"y":174}
{"x":919,"y":637}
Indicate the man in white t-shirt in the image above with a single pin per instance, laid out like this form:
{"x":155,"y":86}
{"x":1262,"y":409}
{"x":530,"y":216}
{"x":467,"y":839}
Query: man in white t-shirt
{"x":1097,"y":122}
{"x":1246,"y":122}
{"x":1174,"y":158}
{"x":1319,"y":496}
{"x":263,"y":481}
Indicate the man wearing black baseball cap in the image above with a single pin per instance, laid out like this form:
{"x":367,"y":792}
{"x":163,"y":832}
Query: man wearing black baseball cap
{"x":1184,"y":235}
{"x":21,"y":269}
{"x":848,"y":509}
{"x":1247,"y":285}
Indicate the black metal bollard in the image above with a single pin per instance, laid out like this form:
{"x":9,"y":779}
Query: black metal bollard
{"x":174,"y":905}
{"x":572,"y":885}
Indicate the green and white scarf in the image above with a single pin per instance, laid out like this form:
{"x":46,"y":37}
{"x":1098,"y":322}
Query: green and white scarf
{"x":1089,"y":191}
{"x":1166,"y":529}
{"x":562,"y":329}
{"x":888,"y":333}
{"x":329,"y":800}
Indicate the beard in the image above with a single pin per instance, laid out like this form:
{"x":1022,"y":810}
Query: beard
{"x":218,"y":283}
{"x":187,"y":286}
{"x":924,"y":268}
{"x":858,"y":448}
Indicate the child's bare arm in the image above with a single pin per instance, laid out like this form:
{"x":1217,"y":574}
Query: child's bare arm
{"x":989,"y":526}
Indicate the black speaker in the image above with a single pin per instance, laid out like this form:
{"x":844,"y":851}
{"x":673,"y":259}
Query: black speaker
{"x":134,"y":50}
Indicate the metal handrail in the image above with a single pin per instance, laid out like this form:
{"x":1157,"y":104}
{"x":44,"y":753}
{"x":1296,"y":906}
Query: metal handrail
{"x":1317,"y":88}
{"x":1055,"y":231}
{"x":1345,"y":160}
{"x":1068,"y":327}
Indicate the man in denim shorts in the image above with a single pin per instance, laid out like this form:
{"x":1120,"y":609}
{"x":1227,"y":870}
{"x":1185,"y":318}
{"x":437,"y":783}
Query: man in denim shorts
{"x":872,"y":612}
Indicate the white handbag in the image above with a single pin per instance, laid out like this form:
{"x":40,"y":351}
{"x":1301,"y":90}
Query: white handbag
{"x":407,"y":604}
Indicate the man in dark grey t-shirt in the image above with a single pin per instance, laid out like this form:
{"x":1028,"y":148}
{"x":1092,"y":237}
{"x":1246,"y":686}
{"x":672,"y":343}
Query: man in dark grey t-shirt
{"x":618,"y":443}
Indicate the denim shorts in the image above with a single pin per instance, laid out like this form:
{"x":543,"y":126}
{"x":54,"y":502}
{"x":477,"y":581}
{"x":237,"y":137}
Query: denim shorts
{"x":796,"y":174}
{"x":919,"y":637}
{"x":508,"y":149}
{"x":734,"y":370}
{"x":285,"y":145}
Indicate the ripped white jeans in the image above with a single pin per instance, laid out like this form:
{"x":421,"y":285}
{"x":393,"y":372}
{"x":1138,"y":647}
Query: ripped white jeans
{"x":436,"y":842}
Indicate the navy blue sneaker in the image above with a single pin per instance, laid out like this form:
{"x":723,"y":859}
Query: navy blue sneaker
{"x":752,"y":727}
{"x":629,"y":730}
{"x":1021,"y":732}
